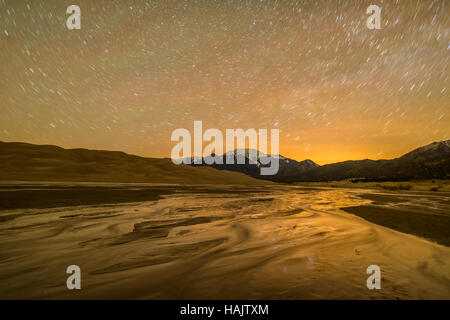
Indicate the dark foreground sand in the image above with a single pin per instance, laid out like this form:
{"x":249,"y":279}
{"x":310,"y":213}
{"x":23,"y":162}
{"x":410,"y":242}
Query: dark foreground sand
{"x":221,"y":242}
{"x":426,"y":215}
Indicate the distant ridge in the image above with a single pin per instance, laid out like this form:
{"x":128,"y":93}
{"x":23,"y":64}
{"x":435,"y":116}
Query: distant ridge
{"x":287,"y":167}
{"x":428,"y":162}
{"x":29,"y":162}
{"x":23,"y":161}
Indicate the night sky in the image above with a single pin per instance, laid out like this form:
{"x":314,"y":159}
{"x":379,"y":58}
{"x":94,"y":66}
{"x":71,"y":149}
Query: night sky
{"x":137,"y":70}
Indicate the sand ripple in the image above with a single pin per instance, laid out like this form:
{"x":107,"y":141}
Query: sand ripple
{"x":289,"y":242}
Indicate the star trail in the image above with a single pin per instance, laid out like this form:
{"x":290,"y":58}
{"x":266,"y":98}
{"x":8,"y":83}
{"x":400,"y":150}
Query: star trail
{"x":137,"y":70}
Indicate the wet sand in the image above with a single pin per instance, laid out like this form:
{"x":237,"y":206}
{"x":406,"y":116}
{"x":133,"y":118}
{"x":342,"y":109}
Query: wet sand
{"x":216,"y":242}
{"x":426,"y":215}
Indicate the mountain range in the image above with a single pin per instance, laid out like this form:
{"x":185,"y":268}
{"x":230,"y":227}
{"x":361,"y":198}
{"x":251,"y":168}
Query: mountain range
{"x":428,"y":162}
{"x":287,"y":167}
{"x":23,"y":161}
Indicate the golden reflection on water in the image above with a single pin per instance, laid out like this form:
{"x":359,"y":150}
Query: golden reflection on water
{"x":287,"y":243}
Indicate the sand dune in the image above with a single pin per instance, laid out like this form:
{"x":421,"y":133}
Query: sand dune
{"x":23,"y":161}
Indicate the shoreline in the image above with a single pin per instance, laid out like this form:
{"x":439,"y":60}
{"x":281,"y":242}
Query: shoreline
{"x":388,"y":209}
{"x":208,"y":241}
